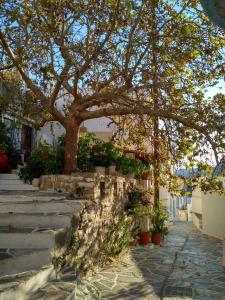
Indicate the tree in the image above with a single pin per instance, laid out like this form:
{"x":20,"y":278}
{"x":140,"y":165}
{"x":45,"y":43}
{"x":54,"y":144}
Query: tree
{"x":16,"y":100}
{"x":114,"y":57}
{"x":178,"y":147}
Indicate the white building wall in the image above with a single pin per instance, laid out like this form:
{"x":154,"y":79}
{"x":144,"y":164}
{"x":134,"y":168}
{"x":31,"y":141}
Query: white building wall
{"x":213,"y":215}
{"x":168,"y":201}
{"x":197,"y":208}
{"x":52,"y":130}
{"x":197,"y":201}
{"x":208,"y":213}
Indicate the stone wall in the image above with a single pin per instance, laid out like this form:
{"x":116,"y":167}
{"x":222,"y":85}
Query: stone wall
{"x":104,"y":198}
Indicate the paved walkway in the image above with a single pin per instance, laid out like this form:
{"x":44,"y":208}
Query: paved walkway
{"x":187,"y":266}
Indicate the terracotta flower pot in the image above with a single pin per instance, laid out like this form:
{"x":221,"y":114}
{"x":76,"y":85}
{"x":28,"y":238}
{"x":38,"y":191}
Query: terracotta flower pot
{"x":133,"y":243}
{"x":3,"y":161}
{"x":156,"y":238}
{"x":145,"y":176}
{"x":145,"y":238}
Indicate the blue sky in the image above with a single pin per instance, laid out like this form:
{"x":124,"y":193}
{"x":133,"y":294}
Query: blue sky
{"x":219,"y":88}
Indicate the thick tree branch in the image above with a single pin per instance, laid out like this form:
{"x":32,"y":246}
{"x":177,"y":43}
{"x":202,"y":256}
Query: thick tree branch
{"x":37,"y":92}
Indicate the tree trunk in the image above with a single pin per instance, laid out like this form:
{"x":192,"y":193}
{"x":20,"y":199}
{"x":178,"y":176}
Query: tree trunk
{"x":71,"y":147}
{"x":156,"y":163}
{"x":155,"y":95}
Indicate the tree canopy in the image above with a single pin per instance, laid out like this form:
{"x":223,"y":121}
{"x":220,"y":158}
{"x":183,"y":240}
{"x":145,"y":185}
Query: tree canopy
{"x":107,"y":58}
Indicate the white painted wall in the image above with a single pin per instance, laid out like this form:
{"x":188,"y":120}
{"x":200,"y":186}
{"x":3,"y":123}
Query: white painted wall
{"x":197,"y":201}
{"x":213,"y":215}
{"x":168,"y":201}
{"x":197,"y":208}
{"x":52,"y":130}
{"x":208,"y":213}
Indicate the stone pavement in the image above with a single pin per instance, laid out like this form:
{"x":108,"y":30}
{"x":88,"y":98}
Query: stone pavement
{"x":187,"y":266}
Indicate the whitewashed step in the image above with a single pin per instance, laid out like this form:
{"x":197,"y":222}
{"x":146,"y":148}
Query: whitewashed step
{"x":21,"y":220}
{"x":38,"y":240}
{"x":64,"y":206}
{"x":24,"y":261}
{"x":11,"y":181}
{"x":18,"y":187}
{"x":31,"y":198}
{"x":9,"y":176}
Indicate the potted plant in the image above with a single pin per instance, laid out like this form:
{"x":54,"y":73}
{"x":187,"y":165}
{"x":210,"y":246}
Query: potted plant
{"x":129,"y":166}
{"x":143,"y":214}
{"x":159,"y":229}
{"x":139,"y":206}
{"x":103,"y":155}
{"x":146,"y":170}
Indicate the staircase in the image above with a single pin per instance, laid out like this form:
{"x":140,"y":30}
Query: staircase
{"x":32,"y":226}
{"x":12,"y":182}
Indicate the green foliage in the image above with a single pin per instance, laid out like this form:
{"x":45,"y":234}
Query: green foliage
{"x":159,"y":217}
{"x":119,"y":236}
{"x":84,"y":161}
{"x":136,"y":198}
{"x":104,"y":153}
{"x":141,"y":211}
{"x":46,"y":159}
{"x":130,"y":165}
{"x":94,"y":152}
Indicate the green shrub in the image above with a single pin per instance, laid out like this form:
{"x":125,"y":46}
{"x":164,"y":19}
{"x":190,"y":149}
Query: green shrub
{"x":119,"y":236}
{"x":95,"y":152}
{"x":159,"y":218}
{"x":104,"y":154}
{"x":136,"y":197}
{"x":130,"y":165}
{"x":84,"y":161}
{"x":46,"y":159}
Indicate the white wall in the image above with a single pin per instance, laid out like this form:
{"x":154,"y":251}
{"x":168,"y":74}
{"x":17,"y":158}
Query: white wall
{"x":52,"y":130}
{"x":213,"y":215}
{"x":208,"y":213}
{"x":197,"y":201}
{"x":197,"y":208}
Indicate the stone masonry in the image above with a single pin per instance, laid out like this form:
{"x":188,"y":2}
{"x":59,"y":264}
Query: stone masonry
{"x":103,"y":200}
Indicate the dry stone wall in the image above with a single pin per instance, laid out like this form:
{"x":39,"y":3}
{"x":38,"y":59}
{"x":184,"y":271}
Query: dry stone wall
{"x":103,"y":199}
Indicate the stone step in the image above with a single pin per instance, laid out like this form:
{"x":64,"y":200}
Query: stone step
{"x":30,"y":198}
{"x":17,"y":181}
{"x":21,"y":220}
{"x":26,"y":284}
{"x":16,"y":261}
{"x":28,"y":240}
{"x":12,"y":176}
{"x":17,"y":187}
{"x":64,"y":206}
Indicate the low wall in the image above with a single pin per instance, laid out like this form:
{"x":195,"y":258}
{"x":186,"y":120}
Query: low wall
{"x":208,"y":213}
{"x":213,"y":214}
{"x":104,"y":198}
{"x":197,"y":208}
{"x":197,"y":201}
